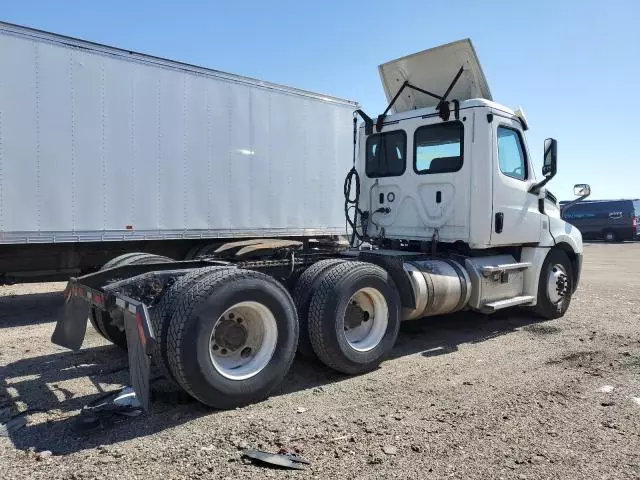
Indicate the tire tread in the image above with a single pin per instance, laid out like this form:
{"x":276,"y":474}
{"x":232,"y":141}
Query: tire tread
{"x":302,"y":295}
{"x":161,"y":316}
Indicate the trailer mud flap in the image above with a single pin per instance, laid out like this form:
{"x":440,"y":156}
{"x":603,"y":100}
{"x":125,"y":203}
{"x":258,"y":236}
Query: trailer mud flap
{"x":140,"y":340}
{"x":72,"y":325}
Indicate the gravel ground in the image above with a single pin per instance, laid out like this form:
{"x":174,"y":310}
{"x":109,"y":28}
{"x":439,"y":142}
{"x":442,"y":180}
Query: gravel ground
{"x":464,"y":396}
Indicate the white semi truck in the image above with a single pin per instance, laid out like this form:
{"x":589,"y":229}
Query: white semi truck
{"x":445,"y":214}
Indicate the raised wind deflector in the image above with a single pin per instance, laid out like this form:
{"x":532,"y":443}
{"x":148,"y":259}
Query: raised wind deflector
{"x":434,"y":70}
{"x":449,"y":71}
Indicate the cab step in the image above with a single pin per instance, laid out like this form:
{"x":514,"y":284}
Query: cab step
{"x":505,"y":267}
{"x":509,"y":302}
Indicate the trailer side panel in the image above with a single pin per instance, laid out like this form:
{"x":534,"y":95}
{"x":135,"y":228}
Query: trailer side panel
{"x":100,"y":144}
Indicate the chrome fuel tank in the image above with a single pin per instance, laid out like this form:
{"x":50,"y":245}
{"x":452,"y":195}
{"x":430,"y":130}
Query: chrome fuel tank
{"x":440,"y":286}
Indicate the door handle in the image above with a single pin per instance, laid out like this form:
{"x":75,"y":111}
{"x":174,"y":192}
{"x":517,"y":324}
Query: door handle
{"x":499,"y":223}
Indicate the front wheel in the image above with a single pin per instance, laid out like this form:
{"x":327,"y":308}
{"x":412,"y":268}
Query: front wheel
{"x":555,"y":286}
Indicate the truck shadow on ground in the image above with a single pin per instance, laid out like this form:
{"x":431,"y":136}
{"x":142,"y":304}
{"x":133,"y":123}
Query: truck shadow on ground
{"x":47,"y":384}
{"x":30,"y":309}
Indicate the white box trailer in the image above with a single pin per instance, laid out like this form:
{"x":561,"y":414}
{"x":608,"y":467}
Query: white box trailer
{"x":99,"y":144}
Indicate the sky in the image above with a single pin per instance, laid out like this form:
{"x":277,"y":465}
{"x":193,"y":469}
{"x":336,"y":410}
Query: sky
{"x":573,"y":66}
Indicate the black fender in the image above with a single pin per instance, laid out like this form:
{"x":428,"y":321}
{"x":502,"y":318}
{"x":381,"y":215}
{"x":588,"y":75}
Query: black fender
{"x":394,"y":265}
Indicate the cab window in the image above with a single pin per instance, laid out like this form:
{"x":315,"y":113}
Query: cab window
{"x":438,"y":148}
{"x":386,"y":154}
{"x":511,"y":156}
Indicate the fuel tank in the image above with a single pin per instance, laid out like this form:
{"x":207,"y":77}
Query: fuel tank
{"x":440,"y":286}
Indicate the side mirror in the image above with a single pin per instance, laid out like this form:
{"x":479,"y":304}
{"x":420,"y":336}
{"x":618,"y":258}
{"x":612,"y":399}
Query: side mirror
{"x":550,"y":163}
{"x":581,"y":190}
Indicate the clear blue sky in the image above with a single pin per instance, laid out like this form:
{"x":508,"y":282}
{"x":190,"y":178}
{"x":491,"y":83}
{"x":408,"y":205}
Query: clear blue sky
{"x":574,"y":66}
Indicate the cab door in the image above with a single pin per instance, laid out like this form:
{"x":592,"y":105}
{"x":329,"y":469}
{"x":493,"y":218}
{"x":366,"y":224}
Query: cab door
{"x":516,"y":218}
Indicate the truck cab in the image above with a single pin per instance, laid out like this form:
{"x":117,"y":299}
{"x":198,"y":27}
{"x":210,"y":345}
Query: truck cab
{"x":462,"y":176}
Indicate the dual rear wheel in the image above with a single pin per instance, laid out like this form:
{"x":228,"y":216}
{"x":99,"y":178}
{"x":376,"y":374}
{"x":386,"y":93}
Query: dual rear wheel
{"x":351,"y":313}
{"x":228,"y":336}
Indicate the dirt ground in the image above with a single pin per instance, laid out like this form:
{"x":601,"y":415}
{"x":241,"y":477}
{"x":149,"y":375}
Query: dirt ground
{"x":464,"y":396}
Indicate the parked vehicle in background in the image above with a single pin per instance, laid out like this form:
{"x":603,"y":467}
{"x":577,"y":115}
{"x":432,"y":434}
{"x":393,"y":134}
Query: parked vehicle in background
{"x":609,"y":220}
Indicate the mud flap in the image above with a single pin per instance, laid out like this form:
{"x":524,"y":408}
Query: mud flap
{"x":140,"y":340}
{"x":71,"y":327}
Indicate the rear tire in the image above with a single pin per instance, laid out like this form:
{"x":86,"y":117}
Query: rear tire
{"x":125,"y":259}
{"x":196,"y":351}
{"x":306,"y":285}
{"x":161,"y":316}
{"x":610,"y":236}
{"x":354,"y":317}
{"x":106,"y":325}
{"x":207,"y":250}
{"x":555,"y":286}
{"x":193,"y":252}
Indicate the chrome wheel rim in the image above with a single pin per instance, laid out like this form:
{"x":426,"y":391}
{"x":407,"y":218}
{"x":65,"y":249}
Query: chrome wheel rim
{"x":243,"y":340}
{"x":557,"y":284}
{"x":366,"y":319}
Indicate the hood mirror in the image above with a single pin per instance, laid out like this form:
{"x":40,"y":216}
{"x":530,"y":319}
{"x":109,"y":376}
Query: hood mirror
{"x":581,"y":190}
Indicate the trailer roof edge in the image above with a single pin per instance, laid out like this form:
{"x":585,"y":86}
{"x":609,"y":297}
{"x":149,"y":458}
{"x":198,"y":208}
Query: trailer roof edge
{"x":165,"y":62}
